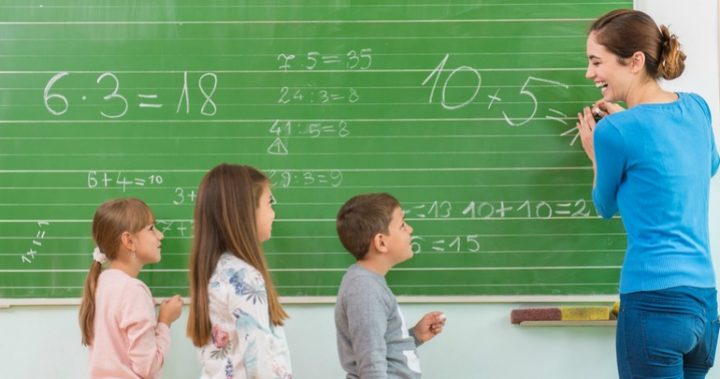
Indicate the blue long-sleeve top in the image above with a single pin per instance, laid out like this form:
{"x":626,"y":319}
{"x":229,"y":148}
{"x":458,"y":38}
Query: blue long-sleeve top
{"x":654,"y":164}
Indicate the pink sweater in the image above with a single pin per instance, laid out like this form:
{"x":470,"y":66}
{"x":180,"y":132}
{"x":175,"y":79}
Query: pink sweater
{"x":128,"y":341}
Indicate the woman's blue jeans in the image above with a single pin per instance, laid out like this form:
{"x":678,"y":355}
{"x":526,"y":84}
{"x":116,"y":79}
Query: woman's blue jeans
{"x":667,"y":334}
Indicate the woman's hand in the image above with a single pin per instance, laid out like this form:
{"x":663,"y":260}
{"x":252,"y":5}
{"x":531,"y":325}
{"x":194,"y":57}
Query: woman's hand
{"x":586,"y":128}
{"x":586,"y":123}
{"x":603,"y":108}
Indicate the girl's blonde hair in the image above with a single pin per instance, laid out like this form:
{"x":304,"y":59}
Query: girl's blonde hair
{"x":111,"y":220}
{"x":225,"y":222}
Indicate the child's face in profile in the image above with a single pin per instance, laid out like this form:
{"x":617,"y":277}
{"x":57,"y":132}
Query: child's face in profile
{"x":264,"y":215}
{"x":399,"y":237}
{"x":148,"y":241}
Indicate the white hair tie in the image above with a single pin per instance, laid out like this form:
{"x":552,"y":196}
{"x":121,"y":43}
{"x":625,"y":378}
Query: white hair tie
{"x":99,"y":256}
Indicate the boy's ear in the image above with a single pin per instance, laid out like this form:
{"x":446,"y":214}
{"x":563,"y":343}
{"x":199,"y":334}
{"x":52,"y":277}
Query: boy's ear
{"x":378,"y":243}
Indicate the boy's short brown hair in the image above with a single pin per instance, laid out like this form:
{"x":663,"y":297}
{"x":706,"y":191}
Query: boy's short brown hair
{"x":361,"y":218}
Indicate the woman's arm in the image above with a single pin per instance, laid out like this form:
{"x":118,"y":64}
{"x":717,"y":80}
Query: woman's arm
{"x":610,"y":162}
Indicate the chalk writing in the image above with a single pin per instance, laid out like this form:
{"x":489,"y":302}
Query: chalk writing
{"x":475,"y":84}
{"x":524,"y":209}
{"x":115,"y":103}
{"x":37,"y":241}
{"x":315,"y":60}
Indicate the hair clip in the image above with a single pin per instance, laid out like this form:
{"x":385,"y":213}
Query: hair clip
{"x":99,"y":256}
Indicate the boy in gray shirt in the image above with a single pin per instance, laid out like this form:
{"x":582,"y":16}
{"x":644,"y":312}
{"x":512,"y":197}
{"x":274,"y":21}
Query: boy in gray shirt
{"x":373,"y":340}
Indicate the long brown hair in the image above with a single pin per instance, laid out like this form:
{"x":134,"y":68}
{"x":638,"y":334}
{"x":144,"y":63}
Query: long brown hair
{"x":111,"y":220}
{"x":625,"y":31}
{"x":225,"y":222}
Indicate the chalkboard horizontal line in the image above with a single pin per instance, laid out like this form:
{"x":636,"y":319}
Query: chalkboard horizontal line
{"x":463,"y":268}
{"x":52,"y":287}
{"x":333,"y":154}
{"x":327,"y":154}
{"x":334,"y":237}
{"x":582,"y":37}
{"x":505,"y":268}
{"x":67,"y":188}
{"x":43,"y":271}
{"x":399,"y":186}
{"x":73,"y":221}
{"x":302,"y":6}
{"x":371,"y":170}
{"x":421,"y":104}
{"x":521,"y":185}
{"x":265,"y":138}
{"x":376,"y":55}
{"x":280,"y":22}
{"x":310,"y":287}
{"x":313,"y":287}
{"x":239,"y":121}
{"x":519,"y":234}
{"x":558,"y":218}
{"x":430,"y":252}
{"x":406,"y":204}
{"x":478,"y":253}
{"x":343,"y":269}
{"x":386,"y":37}
{"x":50,"y":270}
{"x":289,"y":72}
{"x":479,"y":219}
{"x":363,"y":87}
{"x":614,"y":284}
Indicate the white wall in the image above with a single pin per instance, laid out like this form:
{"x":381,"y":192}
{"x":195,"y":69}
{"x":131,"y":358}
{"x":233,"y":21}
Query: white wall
{"x":479,"y":342}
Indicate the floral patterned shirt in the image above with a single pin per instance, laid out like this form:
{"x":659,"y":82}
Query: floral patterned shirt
{"x":245,"y":344}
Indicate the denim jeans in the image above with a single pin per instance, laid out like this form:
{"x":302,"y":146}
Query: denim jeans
{"x":667,"y":334}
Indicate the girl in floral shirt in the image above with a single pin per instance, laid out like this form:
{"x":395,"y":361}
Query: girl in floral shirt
{"x":235,"y":316}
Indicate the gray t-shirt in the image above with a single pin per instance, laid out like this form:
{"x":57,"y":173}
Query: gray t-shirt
{"x":373,"y":340}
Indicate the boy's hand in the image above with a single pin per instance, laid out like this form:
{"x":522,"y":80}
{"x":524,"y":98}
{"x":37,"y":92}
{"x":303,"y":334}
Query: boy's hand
{"x":429,"y":326}
{"x":170,"y":310}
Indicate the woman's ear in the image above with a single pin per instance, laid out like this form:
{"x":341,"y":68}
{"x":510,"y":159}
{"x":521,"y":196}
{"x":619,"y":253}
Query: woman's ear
{"x":637,"y":62}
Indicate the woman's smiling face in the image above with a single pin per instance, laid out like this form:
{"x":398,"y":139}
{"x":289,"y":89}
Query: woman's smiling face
{"x":607,"y":72}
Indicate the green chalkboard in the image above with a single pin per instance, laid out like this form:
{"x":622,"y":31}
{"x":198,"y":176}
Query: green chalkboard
{"x":463,"y":111}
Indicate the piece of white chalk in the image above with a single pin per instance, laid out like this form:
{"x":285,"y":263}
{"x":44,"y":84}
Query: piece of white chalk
{"x":442,"y":317}
{"x":598,"y":113}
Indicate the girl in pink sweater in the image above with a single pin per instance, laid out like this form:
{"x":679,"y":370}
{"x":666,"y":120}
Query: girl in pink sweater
{"x":117,"y":313}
